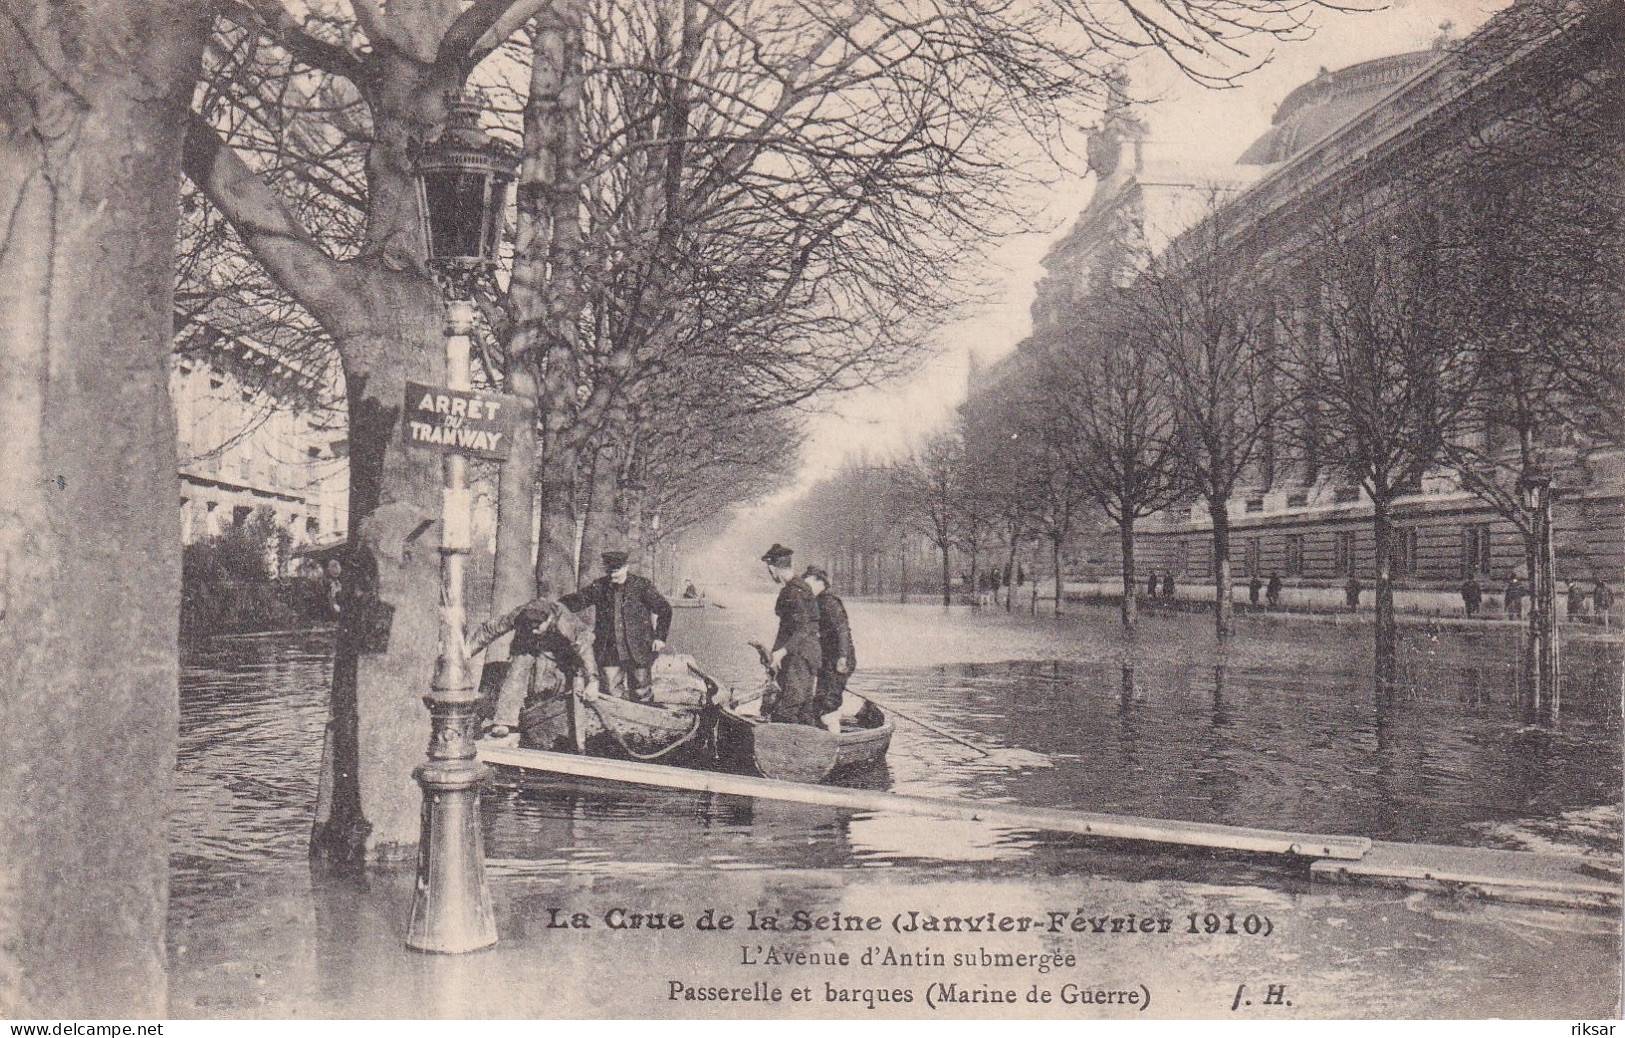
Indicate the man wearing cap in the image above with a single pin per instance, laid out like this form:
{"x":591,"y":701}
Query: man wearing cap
{"x":631,"y":621}
{"x":835,"y":647}
{"x":796,"y":654}
{"x":551,"y":654}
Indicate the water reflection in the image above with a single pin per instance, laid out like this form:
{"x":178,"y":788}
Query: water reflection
{"x":1277,"y":728}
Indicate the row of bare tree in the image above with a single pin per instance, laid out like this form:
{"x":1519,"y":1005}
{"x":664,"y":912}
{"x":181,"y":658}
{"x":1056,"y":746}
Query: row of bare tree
{"x":1460,"y":321}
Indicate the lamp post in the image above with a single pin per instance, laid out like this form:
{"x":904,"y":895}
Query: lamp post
{"x":1536,"y":487}
{"x":462,"y":190}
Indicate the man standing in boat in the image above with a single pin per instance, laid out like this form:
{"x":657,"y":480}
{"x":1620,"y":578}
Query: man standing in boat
{"x":796,"y":654}
{"x":551,"y":655}
{"x":631,"y":621}
{"x":835,"y":647}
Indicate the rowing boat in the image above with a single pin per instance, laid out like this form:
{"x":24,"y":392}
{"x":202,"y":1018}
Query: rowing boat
{"x":666,"y":728}
{"x":604,"y":726}
{"x":798,"y":752}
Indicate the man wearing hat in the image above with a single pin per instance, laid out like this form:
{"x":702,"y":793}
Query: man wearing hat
{"x":835,"y":647}
{"x":551,"y":654}
{"x":796,"y":654}
{"x":630,"y":623}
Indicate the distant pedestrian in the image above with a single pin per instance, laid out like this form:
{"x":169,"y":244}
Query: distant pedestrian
{"x":1602,"y":601}
{"x":1351,"y":593}
{"x":1254,"y":586}
{"x":1151,"y":586}
{"x":1472,"y":596}
{"x":1577,"y":601}
{"x":1168,"y":587}
{"x":335,"y":586}
{"x":1272,"y":593}
{"x":1514,"y":598}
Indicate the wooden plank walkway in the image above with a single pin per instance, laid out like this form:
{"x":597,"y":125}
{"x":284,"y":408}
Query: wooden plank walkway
{"x":1014,"y":816}
{"x":1528,"y":876}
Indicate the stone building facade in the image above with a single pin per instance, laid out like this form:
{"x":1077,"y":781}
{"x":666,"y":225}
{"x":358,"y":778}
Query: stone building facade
{"x":252,"y":438}
{"x":1361,"y":132}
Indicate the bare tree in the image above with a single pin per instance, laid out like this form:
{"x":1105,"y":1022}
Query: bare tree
{"x":1198,"y":309}
{"x":1388,"y":371}
{"x":930,"y":489}
{"x":1109,"y":402}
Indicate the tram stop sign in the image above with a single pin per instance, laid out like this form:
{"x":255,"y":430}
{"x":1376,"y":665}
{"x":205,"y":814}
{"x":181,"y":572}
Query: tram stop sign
{"x":462,"y":420}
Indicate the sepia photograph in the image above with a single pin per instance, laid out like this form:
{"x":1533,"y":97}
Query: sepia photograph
{"x":811,"y":510}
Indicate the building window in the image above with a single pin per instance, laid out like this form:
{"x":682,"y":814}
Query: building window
{"x":1255,"y":504}
{"x":1346,"y":495}
{"x":1254,"y":556}
{"x":1343,"y":554}
{"x":1294,"y":555}
{"x":312,"y":527}
{"x":1298,"y":500}
{"x":1402,"y":553}
{"x":1475,"y":550}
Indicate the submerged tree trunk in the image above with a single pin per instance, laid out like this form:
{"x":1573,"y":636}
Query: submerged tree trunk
{"x":1218,"y":510}
{"x":1055,"y":562}
{"x":93,"y":101}
{"x":1125,"y":537}
{"x":1387,"y":634}
{"x":1009,"y":591}
{"x":947,"y":579}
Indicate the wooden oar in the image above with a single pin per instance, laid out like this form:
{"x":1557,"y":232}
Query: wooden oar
{"x":927,"y":725}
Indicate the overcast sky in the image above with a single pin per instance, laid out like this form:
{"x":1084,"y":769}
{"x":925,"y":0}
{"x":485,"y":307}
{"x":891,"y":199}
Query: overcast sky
{"x":1206,"y":125}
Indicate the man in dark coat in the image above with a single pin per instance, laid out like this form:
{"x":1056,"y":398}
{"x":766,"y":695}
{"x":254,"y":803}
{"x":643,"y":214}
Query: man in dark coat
{"x":550,"y":655}
{"x":839,"y":657}
{"x":797,"y":657}
{"x":631,"y":621}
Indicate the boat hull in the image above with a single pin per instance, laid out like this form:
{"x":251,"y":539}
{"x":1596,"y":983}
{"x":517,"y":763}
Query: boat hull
{"x":616,"y":728}
{"x":799,"y":752}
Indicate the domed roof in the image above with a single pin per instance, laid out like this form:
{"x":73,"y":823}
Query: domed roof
{"x":1330,"y":100}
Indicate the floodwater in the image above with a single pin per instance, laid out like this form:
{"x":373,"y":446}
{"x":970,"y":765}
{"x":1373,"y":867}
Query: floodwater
{"x":1279,"y":728}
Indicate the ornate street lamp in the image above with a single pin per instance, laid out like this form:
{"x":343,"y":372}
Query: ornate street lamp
{"x":463,"y":183}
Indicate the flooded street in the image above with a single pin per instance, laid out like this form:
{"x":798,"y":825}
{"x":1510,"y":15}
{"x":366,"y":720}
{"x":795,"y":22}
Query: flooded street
{"x":1279,"y":729}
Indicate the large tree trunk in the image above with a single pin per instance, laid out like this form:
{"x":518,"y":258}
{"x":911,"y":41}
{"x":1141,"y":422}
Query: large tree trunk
{"x":1218,"y":510}
{"x":388,"y":626}
{"x":1387,"y":637}
{"x":93,"y":100}
{"x":1125,"y":536}
{"x":947,"y":577}
{"x":556,"y":543}
{"x":605,"y":527}
{"x":514,"y":576}
{"x":554,"y":113}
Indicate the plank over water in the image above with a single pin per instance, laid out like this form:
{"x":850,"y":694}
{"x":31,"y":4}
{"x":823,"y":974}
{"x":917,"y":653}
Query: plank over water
{"x":1565,"y":879}
{"x":1116,"y":827}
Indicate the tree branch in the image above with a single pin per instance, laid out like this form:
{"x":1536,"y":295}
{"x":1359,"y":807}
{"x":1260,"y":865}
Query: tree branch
{"x":258,"y":214}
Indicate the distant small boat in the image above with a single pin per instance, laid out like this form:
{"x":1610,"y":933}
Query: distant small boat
{"x":799,"y":752}
{"x":688,"y":603}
